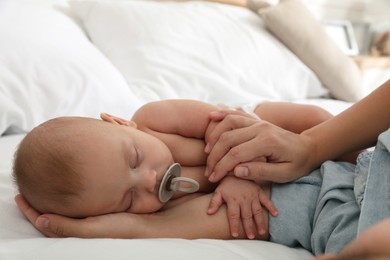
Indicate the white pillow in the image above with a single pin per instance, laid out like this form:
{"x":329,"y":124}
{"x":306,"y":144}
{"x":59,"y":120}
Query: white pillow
{"x":300,"y":31}
{"x":198,"y":50}
{"x":49,"y":68}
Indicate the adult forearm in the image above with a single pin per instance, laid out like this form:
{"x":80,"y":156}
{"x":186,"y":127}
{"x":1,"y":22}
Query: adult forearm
{"x":356,"y":128}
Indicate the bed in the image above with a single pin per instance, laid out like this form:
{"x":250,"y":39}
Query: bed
{"x":82,"y":58}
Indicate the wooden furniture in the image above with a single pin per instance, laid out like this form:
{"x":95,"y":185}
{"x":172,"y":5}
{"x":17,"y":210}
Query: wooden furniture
{"x":369,"y":61}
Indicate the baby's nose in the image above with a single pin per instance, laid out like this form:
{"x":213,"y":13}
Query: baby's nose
{"x":149,"y":180}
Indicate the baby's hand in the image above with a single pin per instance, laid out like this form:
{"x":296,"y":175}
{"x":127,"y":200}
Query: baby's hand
{"x":244,"y":201}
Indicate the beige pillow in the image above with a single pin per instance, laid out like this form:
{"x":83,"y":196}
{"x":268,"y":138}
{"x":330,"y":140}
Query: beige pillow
{"x":294,"y":25}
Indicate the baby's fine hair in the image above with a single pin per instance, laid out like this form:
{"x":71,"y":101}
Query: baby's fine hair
{"x":46,"y":163}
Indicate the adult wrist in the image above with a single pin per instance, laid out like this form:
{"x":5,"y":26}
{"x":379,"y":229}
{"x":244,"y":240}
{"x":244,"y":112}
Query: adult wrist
{"x":312,"y":149}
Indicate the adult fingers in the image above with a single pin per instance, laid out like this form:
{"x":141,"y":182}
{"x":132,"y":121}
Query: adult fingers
{"x":112,"y":225}
{"x":232,"y":120}
{"x":235,"y":147}
{"x":219,"y":115}
{"x":228,"y":149}
{"x":104,"y":226}
{"x":279,"y":172}
{"x":30,"y":213}
{"x":33,"y":216}
{"x":59,"y":226}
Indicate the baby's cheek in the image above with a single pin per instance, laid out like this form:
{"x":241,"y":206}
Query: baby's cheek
{"x":144,"y":206}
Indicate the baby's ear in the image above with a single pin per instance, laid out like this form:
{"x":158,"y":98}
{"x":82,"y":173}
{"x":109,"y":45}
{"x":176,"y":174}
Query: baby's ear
{"x":117,"y":120}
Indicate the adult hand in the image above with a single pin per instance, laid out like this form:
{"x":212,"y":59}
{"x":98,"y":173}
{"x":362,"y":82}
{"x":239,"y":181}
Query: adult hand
{"x":52,"y":225}
{"x":237,"y":143}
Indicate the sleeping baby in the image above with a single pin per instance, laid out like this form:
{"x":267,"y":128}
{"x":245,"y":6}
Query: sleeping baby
{"x":81,"y":167}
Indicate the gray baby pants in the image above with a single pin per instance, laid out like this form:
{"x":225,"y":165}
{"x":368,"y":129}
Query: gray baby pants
{"x":327,"y":209}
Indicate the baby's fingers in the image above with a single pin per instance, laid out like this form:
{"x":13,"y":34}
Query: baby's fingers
{"x":233,"y":212}
{"x":215,"y":203}
{"x":258,"y":216}
{"x":268,"y":204}
{"x":247,"y":221}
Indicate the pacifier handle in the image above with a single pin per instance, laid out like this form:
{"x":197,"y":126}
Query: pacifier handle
{"x":170,"y":183}
{"x":175,"y":184}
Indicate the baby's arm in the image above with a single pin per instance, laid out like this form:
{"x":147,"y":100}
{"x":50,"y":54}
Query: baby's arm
{"x":293,"y":117}
{"x":180,"y":124}
{"x":188,"y":118}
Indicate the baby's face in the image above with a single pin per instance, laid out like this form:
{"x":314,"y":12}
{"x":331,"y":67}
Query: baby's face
{"x":121,"y":172}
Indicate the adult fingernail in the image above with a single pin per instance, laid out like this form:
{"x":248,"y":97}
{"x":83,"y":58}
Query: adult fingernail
{"x":215,"y":113}
{"x":241,"y":172}
{"x":212,"y":176}
{"x":42,"y":222}
{"x":207,"y":148}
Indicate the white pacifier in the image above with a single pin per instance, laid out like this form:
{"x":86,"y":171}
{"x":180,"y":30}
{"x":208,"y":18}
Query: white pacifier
{"x":170,"y":183}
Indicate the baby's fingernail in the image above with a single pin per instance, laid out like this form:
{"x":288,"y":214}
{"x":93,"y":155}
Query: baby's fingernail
{"x":42,"y":222}
{"x":262,"y":231}
{"x":234,"y":234}
{"x":241,"y":171}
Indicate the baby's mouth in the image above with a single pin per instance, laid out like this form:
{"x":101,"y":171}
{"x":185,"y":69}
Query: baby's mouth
{"x":159,"y":178}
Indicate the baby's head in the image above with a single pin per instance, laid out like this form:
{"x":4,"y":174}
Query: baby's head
{"x":82,"y":167}
{"x":47,"y":165}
